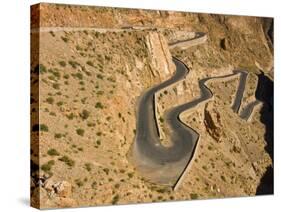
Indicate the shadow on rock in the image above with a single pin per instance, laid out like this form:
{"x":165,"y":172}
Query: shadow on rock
{"x":264,"y":93}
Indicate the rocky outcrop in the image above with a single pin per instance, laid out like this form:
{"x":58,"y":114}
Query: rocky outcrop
{"x":61,"y":188}
{"x":58,"y":193}
{"x":213,"y":122}
{"x":161,"y":58}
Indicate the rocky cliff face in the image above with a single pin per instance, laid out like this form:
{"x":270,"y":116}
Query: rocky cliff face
{"x":213,"y":122}
{"x":161,"y":59}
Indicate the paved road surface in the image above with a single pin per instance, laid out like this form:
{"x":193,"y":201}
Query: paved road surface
{"x":166,"y":164}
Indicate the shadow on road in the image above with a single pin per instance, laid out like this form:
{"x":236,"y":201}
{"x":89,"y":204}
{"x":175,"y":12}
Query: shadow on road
{"x":264,"y":93}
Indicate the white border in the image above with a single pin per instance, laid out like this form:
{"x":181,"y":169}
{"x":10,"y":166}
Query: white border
{"x":14,"y":112}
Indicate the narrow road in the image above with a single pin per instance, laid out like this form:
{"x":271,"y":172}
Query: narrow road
{"x":165,"y":165}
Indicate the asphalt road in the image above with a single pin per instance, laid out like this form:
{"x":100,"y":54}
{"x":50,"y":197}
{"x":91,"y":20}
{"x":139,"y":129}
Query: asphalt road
{"x":154,"y":158}
{"x":165,"y":165}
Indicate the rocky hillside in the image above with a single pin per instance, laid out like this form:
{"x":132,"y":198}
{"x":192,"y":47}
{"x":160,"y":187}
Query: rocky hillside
{"x":91,"y":79}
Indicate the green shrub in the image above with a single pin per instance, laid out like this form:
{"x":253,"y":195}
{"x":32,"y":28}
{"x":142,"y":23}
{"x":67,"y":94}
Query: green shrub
{"x":65,"y":39}
{"x":99,"y":105}
{"x":56,"y":86}
{"x":42,"y":69}
{"x":88,"y":167}
{"x":84,"y":100}
{"x":85,"y":114}
{"x":79,"y":182}
{"x":70,"y":116}
{"x":62,"y":63}
{"x":73,"y":64}
{"x":52,"y":114}
{"x":194,"y":196}
{"x":161,"y":190}
{"x":100,"y":92}
{"x":90,"y":63}
{"x":79,"y":76}
{"x":50,"y":100}
{"x":99,"y":76}
{"x":78,"y":48}
{"x":60,"y":103}
{"x":130,"y":175}
{"x":106,"y":170}
{"x":52,"y":33}
{"x":115,"y":199}
{"x":43,"y":127}
{"x":205,"y":168}
{"x":94,"y":184}
{"x":58,"y":135}
{"x":53,"y":152}
{"x":80,"y":131}
{"x":67,"y":161}
{"x":48,"y":166}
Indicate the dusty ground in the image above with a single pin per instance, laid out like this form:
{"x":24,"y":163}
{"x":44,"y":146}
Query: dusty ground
{"x":89,"y":87}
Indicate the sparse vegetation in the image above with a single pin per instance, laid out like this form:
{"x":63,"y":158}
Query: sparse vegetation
{"x":80,"y":132}
{"x":115,"y":199}
{"x":194,"y":196}
{"x":48,"y":166}
{"x":79,"y":182}
{"x":62,"y":63}
{"x":70,"y":116}
{"x":50,"y":100}
{"x":65,"y":39}
{"x":90,"y":63}
{"x":57,"y":135}
{"x":60,"y":103}
{"x":56,"y":86}
{"x":130,"y":175}
{"x":99,"y":105}
{"x":53,"y":152}
{"x":223,"y":178}
{"x":42,"y":69}
{"x":79,"y":76}
{"x":94,"y":185}
{"x":52,"y":33}
{"x":73,"y":64}
{"x":88,"y":167}
{"x":67,"y":161}
{"x":99,"y":76}
{"x":106,"y":170}
{"x":43,"y":128}
{"x":85,"y":114}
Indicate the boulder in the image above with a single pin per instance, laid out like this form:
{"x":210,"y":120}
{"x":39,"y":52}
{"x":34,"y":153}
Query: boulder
{"x":213,"y":122}
{"x":63,"y":189}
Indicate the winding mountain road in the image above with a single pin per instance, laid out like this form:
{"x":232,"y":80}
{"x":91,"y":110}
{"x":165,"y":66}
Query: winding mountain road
{"x":165,"y":165}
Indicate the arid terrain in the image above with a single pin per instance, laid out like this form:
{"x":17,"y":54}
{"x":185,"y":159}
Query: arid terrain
{"x":90,"y":66}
